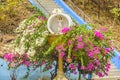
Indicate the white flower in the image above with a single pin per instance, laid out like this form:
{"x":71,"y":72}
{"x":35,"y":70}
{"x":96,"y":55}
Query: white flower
{"x":19,"y":50}
{"x":45,"y":33}
{"x":31,"y":52}
{"x":40,"y":41}
{"x":22,"y":39}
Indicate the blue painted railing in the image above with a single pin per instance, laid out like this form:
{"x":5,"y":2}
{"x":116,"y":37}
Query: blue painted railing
{"x":32,"y":2}
{"x":69,"y":11}
{"x":115,"y":60}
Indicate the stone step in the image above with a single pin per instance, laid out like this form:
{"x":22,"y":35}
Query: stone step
{"x":114,"y":74}
{"x":107,"y":78}
{"x":49,"y":5}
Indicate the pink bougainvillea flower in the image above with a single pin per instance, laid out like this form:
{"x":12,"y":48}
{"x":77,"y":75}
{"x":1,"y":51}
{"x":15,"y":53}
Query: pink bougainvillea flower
{"x":106,"y":73}
{"x":9,"y":57}
{"x":69,"y":60}
{"x":119,"y":57}
{"x":103,"y":29}
{"x":96,"y":50}
{"x":80,"y":45}
{"x":62,"y":54}
{"x":27,"y":63}
{"x":39,"y":17}
{"x":79,"y":38}
{"x":96,"y":62}
{"x":82,"y":67}
{"x":74,"y":72}
{"x":107,"y":50}
{"x":111,"y":46}
{"x":60,"y":48}
{"x":90,"y":66}
{"x":90,"y":54}
{"x":25,"y":56}
{"x":50,"y":67}
{"x":43,"y":18}
{"x":65,"y":30}
{"x":106,"y":69}
{"x":36,"y":63}
{"x":75,"y":48}
{"x":72,"y":66}
{"x":100,"y":74}
{"x":99,"y":35}
{"x":108,"y":66}
{"x":43,"y":62}
{"x":69,"y":42}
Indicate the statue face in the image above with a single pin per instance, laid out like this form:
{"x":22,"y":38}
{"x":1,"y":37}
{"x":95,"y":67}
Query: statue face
{"x":57,"y":23}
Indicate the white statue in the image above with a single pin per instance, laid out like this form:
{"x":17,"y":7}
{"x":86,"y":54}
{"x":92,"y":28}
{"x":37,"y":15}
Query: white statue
{"x":57,"y":21}
{"x":60,"y":20}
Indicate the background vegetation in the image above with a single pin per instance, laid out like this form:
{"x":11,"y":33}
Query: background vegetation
{"x":12,"y":12}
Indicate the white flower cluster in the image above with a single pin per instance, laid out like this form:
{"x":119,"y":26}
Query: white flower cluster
{"x":28,"y":27}
{"x":27,"y":30}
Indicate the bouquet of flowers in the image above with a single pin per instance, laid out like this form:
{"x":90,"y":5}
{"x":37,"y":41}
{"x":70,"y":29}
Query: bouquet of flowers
{"x":82,"y":49}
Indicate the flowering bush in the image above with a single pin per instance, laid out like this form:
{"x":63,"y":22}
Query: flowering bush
{"x":84,"y":49}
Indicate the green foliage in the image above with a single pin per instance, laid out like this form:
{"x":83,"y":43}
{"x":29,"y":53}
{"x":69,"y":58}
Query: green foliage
{"x":12,"y":12}
{"x":31,"y":30}
{"x":9,"y":7}
{"x":115,"y":12}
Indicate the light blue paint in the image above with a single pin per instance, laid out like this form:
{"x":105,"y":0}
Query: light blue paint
{"x":115,"y":59}
{"x":32,"y":2}
{"x":4,"y":72}
{"x":20,"y":72}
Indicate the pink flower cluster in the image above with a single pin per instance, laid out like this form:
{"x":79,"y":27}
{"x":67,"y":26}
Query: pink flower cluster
{"x":42,"y":18}
{"x":25,"y":62}
{"x":61,"y":50}
{"x":94,"y":51}
{"x":12,"y":58}
{"x":65,"y":30}
{"x":99,"y":35}
{"x":80,"y":45}
{"x":9,"y":57}
{"x":73,"y":68}
{"x":100,"y":74}
{"x":90,"y":66}
{"x":87,"y":46}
